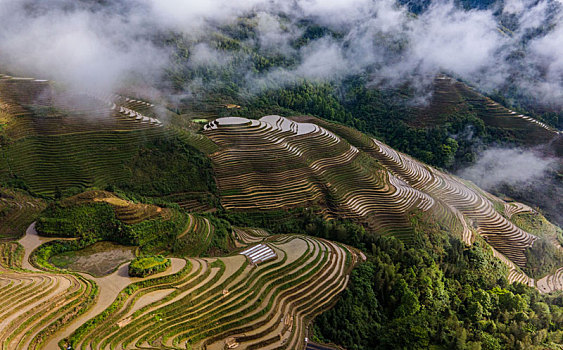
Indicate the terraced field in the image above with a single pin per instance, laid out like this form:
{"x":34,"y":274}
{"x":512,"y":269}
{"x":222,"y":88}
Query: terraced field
{"x":249,"y":235}
{"x":264,"y":296}
{"x":266,"y":291}
{"x":276,"y":163}
{"x":475,"y":207}
{"x":215,"y":301}
{"x":450,"y":96}
{"x":192,"y":202}
{"x":126,"y":211}
{"x":168,"y":229}
{"x":37,"y":304}
{"x":65,"y":140}
{"x":551,"y":282}
{"x":194,"y":232}
{"x":197,"y":235}
{"x":17,"y":211}
{"x":514,"y":208}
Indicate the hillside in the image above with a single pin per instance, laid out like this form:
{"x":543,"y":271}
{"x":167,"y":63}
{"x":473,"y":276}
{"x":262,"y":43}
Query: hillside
{"x":457,"y":129}
{"x":248,"y":297}
{"x":17,"y":212}
{"x":286,"y":163}
{"x":269,"y":226}
{"x":281,"y":175}
{"x":230,"y":300}
{"x":453,"y":97}
{"x":56,"y":143}
{"x":73,"y":142}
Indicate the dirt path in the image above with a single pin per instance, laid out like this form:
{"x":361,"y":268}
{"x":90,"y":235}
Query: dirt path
{"x":30,"y":241}
{"x":109,"y":286}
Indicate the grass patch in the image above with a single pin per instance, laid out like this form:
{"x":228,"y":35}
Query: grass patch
{"x":148,"y":265}
{"x":167,"y":165}
{"x":543,"y":257}
{"x":536,"y":224}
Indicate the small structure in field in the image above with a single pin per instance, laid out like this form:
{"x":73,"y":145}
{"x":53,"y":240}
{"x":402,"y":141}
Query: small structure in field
{"x":287,"y":324}
{"x":231,"y":343}
{"x":259,"y":253}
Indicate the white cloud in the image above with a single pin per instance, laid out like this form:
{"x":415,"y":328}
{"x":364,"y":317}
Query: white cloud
{"x":497,"y":166}
{"x":323,"y":59}
{"x":203,"y":55}
{"x":85,"y":44}
{"x":275,"y":35}
{"x":454,"y":40}
{"x":79,"y":48}
{"x":336,"y":12}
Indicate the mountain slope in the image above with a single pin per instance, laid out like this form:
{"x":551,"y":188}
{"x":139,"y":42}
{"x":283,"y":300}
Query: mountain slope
{"x":279,"y":163}
{"x":450,"y":96}
{"x":57,"y":142}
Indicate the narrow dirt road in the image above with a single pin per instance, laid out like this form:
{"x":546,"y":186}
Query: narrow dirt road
{"x":109,"y":286}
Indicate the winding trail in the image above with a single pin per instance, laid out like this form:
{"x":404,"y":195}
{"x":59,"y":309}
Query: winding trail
{"x":108,"y":286}
{"x":30,"y":242}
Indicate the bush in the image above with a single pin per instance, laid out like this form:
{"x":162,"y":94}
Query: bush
{"x":91,"y":222}
{"x":542,"y":258}
{"x":148,"y":265}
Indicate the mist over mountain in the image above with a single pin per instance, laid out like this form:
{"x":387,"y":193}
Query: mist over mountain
{"x":525,"y":175}
{"x":102,"y":44}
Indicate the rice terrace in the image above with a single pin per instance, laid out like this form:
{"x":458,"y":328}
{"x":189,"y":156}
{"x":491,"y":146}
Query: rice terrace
{"x":267,"y":176}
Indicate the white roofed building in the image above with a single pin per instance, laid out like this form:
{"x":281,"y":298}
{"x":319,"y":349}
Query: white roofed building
{"x":259,"y":253}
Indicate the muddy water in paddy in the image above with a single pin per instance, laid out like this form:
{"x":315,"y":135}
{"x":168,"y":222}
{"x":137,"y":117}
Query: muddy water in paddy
{"x":109,"y":285}
{"x":98,"y":259}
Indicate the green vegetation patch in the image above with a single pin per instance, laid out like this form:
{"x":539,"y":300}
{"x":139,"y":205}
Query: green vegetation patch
{"x":89,"y":221}
{"x":148,"y":265}
{"x":543,"y":257}
{"x":11,"y":254}
{"x":536,"y":224}
{"x":51,"y":165}
{"x":438,"y":294}
{"x":146,"y":164}
{"x":17,"y":211}
{"x":95,"y":221}
{"x":166,"y":165}
{"x":204,"y":235}
{"x":384,"y":114}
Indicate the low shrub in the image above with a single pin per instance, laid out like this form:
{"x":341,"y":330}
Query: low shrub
{"x":148,"y":265}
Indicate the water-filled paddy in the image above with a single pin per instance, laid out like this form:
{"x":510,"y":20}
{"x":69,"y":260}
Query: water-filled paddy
{"x":98,"y":259}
